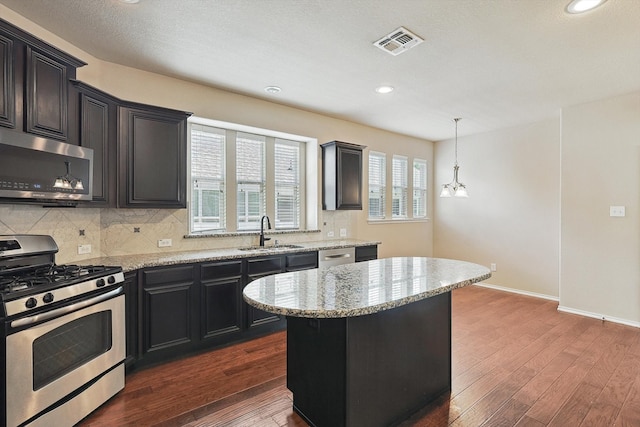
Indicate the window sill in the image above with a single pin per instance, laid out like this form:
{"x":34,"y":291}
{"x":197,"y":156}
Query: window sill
{"x":398,"y":221}
{"x":214,"y":234}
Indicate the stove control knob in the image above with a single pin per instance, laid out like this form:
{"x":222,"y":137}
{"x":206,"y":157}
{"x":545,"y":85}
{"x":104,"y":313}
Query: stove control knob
{"x":31,"y":302}
{"x":111,"y":280}
{"x":100,"y":283}
{"x":48,"y":297}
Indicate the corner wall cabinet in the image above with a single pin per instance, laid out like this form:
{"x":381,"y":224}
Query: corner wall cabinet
{"x":341,"y":176}
{"x":153,"y":157}
{"x":35,"y":84}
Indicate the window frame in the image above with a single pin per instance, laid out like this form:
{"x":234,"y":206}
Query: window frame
{"x":307,"y":178}
{"x":420,"y":187}
{"x":399,"y":187}
{"x":379,"y":188}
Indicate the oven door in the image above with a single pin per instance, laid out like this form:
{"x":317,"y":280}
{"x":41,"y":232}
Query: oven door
{"x":49,"y":360}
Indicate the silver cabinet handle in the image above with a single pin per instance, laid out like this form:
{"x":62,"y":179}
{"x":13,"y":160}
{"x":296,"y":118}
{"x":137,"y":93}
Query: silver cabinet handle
{"x":337,"y":256}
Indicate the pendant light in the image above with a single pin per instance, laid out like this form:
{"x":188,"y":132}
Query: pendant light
{"x":455,"y":188}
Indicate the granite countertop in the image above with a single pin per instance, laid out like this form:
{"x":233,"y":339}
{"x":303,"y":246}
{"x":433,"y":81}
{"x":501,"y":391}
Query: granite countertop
{"x":135,"y":262}
{"x":362,"y":288}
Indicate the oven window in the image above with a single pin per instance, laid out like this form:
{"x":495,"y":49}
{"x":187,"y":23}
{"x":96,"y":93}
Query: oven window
{"x":69,"y":346}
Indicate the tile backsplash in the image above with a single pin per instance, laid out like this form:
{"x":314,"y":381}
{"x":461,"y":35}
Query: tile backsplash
{"x":112,"y":232}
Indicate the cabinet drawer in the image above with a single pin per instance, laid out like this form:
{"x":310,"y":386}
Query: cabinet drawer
{"x":303,"y":261}
{"x":265,"y":265}
{"x":366,"y":253}
{"x":221,"y":270}
{"x":168,"y":275}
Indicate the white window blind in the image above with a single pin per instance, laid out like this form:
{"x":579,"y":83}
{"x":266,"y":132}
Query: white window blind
{"x":399,"y":187}
{"x":419,"y":188}
{"x":250,"y":177}
{"x":377,"y":185}
{"x":287,"y":184}
{"x":207,"y":178}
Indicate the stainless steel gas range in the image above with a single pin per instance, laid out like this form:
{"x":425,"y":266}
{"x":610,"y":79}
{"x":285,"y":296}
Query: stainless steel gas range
{"x":64,"y":334}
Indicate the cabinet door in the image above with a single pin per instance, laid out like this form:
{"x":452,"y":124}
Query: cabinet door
{"x":170,"y":310}
{"x":46,"y":96}
{"x":256,"y":268}
{"x":349,"y":178}
{"x":7,"y":83}
{"x":153,"y":152}
{"x":221,"y":299}
{"x":97,"y":128}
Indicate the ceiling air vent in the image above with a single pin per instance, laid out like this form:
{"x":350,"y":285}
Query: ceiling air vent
{"x":398,"y":41}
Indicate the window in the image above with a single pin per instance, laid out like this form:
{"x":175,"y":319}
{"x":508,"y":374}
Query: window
{"x":377,"y":185}
{"x":207,"y":178}
{"x":250,"y":179}
{"x":238,"y":175}
{"x":399,"y":187}
{"x":419,"y":188}
{"x":287,"y":184}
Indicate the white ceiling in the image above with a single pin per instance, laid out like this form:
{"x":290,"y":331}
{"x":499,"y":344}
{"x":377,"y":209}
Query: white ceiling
{"x":495,"y":63}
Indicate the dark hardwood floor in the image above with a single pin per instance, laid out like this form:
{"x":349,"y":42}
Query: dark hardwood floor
{"x":517,"y":361}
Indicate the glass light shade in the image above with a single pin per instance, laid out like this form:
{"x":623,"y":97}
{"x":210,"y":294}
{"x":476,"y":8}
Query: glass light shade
{"x":446,"y":191}
{"x":59,"y":183}
{"x":79,"y":185}
{"x":461,"y":191}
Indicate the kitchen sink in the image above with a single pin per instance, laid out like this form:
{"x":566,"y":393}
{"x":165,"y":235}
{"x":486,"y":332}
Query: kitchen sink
{"x":269,"y":248}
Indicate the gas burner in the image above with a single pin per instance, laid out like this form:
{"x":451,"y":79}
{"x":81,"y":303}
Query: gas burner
{"x":13,"y":284}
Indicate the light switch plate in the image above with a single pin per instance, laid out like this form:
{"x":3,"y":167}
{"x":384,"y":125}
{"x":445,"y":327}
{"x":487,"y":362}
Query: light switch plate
{"x":616,"y":211}
{"x":84,"y":249}
{"x":343,"y":232}
{"x":164,"y":243}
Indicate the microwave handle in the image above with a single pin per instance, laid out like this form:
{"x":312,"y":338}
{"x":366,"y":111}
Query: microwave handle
{"x":64,"y":310}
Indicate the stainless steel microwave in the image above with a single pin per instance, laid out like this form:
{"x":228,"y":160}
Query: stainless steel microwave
{"x":40,"y":170}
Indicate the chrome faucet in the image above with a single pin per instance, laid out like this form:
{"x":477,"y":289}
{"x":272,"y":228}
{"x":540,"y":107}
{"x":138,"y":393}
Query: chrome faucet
{"x":262,"y":238}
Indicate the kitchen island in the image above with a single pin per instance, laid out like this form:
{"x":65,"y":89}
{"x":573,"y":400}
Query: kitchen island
{"x":369,"y":343}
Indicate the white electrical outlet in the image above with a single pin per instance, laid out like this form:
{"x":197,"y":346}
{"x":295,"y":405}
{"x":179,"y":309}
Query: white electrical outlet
{"x":330,"y":234}
{"x":494,"y":267}
{"x":164,"y":243}
{"x":616,"y":211}
{"x":84,"y":249}
{"x":343,"y":232}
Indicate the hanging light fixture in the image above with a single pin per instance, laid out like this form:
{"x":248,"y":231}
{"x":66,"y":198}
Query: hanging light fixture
{"x":455,"y":187}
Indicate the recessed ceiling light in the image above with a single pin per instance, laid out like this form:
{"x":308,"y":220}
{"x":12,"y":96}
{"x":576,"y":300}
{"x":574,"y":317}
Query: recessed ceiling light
{"x":384,"y":89}
{"x":130,"y":1}
{"x":579,"y":6}
{"x":272,"y":89}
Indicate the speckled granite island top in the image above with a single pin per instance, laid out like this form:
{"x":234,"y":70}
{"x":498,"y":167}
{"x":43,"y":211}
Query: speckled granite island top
{"x":362,"y":288}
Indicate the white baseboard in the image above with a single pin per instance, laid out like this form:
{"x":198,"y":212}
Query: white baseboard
{"x":518,"y":291}
{"x":563,"y":308}
{"x":598,"y":316}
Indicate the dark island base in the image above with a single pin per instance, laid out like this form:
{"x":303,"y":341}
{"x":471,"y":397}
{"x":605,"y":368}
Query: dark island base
{"x":373,"y":370}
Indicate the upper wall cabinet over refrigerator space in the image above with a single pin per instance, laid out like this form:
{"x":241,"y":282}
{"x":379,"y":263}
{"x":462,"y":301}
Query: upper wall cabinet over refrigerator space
{"x":341,"y":176}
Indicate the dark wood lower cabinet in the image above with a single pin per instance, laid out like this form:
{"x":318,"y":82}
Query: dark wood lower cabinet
{"x":169,"y":297}
{"x":221,"y":300}
{"x":366,"y":253}
{"x":176,"y":310}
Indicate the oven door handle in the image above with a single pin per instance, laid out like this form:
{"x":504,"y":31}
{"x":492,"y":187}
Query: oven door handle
{"x":64,"y":310}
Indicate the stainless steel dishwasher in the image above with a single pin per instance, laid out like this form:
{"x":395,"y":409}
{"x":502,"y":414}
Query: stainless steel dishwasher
{"x":331,"y":257}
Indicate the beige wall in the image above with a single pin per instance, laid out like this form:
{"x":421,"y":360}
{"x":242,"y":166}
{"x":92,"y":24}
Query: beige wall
{"x":116,"y":226}
{"x":512,"y":215}
{"x":600,"y":267}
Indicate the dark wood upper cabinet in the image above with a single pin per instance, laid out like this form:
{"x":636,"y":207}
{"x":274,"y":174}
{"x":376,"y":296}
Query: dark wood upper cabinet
{"x":98,"y":131}
{"x":341,"y":176}
{"x":35,"y":84}
{"x":46,"y":97}
{"x":7,"y":83}
{"x":152,"y":157}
